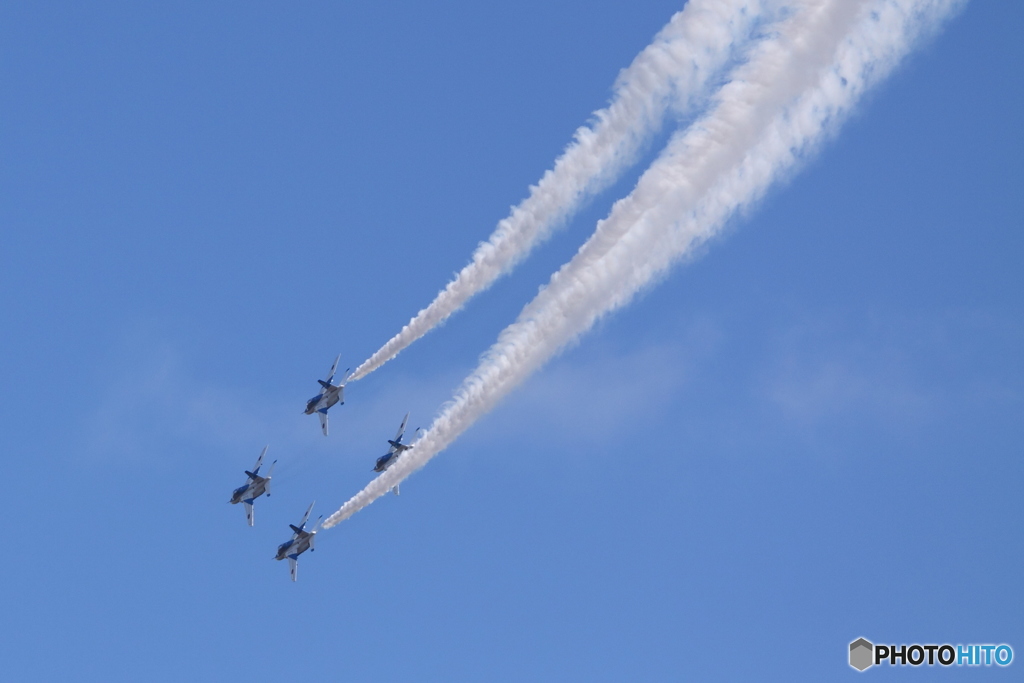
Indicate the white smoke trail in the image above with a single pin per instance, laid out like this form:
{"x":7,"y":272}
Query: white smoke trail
{"x":600,"y":280}
{"x":678,"y":67}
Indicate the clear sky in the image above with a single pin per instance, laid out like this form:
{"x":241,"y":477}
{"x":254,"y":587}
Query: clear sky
{"x":812,"y":433}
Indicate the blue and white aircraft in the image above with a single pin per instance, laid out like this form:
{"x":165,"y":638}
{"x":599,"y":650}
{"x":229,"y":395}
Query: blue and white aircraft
{"x":329,"y":395}
{"x":302,"y":541}
{"x":397,"y":448}
{"x":254,"y":488}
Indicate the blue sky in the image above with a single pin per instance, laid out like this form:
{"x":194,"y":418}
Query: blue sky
{"x":809,"y":434}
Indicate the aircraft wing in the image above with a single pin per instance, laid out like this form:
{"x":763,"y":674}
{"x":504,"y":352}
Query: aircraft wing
{"x":401,"y":429}
{"x":293,"y":567}
{"x":248,"y":510}
{"x":305,"y":517}
{"x":323,"y":420}
{"x":259,"y":460}
{"x":334,"y":368}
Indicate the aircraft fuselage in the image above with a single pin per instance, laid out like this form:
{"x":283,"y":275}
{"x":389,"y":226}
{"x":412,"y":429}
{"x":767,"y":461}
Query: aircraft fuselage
{"x":294,"y":547}
{"x":323,"y":401}
{"x":384,"y":462}
{"x":251,"y":491}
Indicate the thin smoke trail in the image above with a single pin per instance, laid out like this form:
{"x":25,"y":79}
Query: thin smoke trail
{"x":775,"y":72}
{"x":572,"y":304}
{"x":762,"y":81}
{"x":677,"y":67}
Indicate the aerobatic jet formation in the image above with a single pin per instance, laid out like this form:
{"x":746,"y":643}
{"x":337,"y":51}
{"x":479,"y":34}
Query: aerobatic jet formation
{"x":397,"y":448}
{"x":254,"y":488}
{"x":301,"y":541}
{"x":330,"y":394}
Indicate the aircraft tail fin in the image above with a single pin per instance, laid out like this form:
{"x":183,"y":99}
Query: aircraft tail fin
{"x":266,"y":486}
{"x":312,"y":532}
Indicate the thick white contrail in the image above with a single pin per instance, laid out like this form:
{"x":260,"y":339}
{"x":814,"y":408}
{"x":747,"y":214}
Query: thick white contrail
{"x":669,"y":225}
{"x":676,"y":69}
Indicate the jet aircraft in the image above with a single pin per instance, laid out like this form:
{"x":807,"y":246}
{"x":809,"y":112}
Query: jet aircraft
{"x":329,"y":395}
{"x":397,"y":448}
{"x":302,"y":541}
{"x":254,"y":488}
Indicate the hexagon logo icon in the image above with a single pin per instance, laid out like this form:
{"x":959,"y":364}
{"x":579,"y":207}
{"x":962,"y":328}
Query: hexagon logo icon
{"x":862,"y":654}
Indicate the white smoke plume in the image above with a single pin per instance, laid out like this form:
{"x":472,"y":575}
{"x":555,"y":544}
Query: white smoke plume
{"x":675,"y":208}
{"x":677,"y":69}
